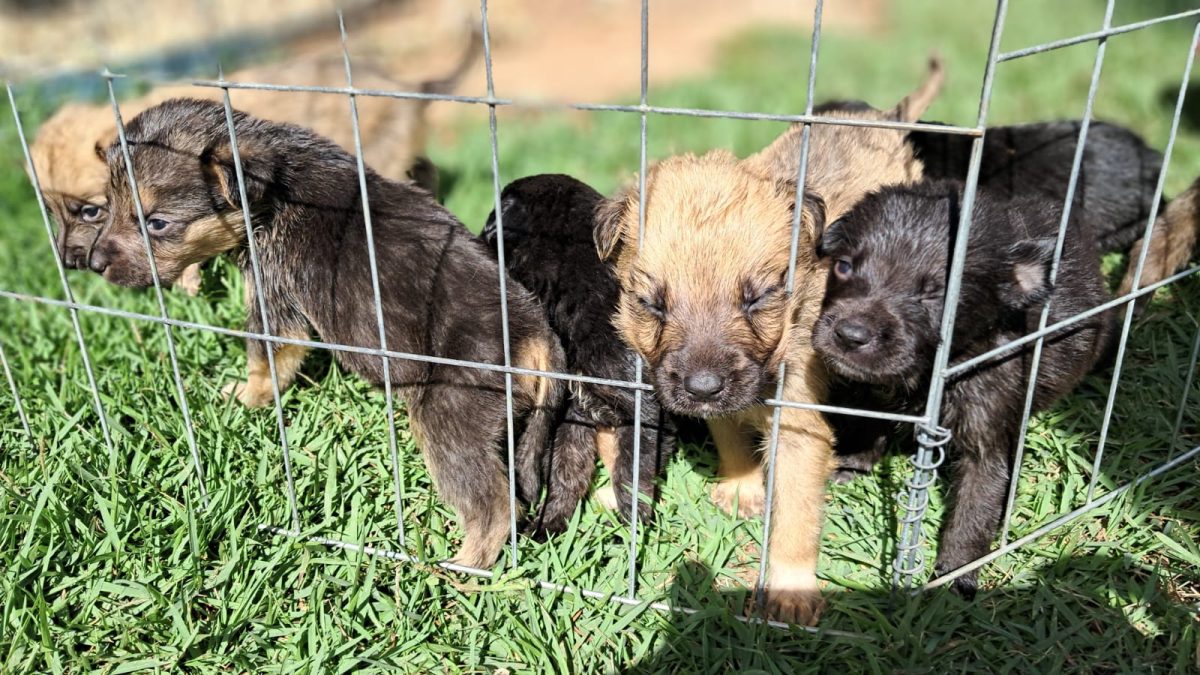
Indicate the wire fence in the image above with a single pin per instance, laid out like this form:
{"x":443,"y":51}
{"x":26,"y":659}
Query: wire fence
{"x":909,"y":563}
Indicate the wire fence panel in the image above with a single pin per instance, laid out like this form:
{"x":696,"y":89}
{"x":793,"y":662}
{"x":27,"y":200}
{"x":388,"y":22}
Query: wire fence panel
{"x":934,"y":442}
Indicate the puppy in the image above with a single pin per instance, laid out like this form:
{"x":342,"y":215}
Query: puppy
{"x":549,"y":248}
{"x":703,"y":301}
{"x":393,"y":132}
{"x":439,"y":288}
{"x":880,"y":320}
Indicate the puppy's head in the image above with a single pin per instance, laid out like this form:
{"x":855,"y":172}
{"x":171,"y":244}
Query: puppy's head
{"x":73,"y":175}
{"x":703,"y":297}
{"x":881,"y":317}
{"x":189,"y":194}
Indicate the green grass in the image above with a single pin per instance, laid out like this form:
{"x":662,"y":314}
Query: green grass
{"x":109,"y":562}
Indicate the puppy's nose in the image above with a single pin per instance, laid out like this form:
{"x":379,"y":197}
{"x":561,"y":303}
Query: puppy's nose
{"x":75,"y":257}
{"x":98,"y":261}
{"x":852,"y":334}
{"x":704,"y":384}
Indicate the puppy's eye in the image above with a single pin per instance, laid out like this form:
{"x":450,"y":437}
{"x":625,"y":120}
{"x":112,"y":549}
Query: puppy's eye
{"x":157,"y":225}
{"x":751,"y":302}
{"x":91,"y":213}
{"x":654,"y":307}
{"x":843,"y":268}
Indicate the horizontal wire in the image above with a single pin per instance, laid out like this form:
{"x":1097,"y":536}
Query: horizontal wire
{"x":515,"y":370}
{"x":1100,"y":34}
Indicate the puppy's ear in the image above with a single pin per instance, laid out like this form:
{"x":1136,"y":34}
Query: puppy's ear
{"x":814,"y":215}
{"x":105,"y":142}
{"x":832,"y":238}
{"x":1028,"y":268}
{"x":911,"y":107}
{"x":514,"y":216}
{"x":217,"y":163}
{"x":608,"y":230}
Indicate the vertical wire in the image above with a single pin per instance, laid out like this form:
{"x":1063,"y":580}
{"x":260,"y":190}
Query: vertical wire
{"x":268,"y":346}
{"x":12,"y":385}
{"x":797,"y":218}
{"x":1072,"y":184}
{"x":933,"y":437}
{"x":636,"y":482}
{"x":508,"y":378}
{"x":180,"y":392}
{"x":1137,"y":276}
{"x":397,"y":484}
{"x":62,"y":275}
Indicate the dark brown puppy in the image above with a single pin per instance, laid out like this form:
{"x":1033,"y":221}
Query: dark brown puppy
{"x":439,"y":287}
{"x":880,"y":320}
{"x":549,"y":248}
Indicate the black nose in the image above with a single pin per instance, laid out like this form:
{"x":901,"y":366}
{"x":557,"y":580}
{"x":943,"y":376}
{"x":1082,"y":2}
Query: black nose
{"x":98,"y":260}
{"x":704,"y":384}
{"x":852,"y":334}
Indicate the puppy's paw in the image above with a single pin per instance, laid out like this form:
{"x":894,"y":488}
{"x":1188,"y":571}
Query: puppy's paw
{"x":793,"y":596}
{"x":965,"y":586}
{"x":189,"y":282}
{"x":250,"y":395}
{"x":748,"y":495}
{"x":843,"y":475}
{"x":606,"y":498}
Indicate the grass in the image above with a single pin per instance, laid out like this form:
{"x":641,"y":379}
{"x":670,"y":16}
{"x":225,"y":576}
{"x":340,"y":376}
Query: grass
{"x":109,"y":562}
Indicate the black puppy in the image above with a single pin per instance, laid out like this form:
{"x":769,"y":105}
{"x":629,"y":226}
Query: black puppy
{"x":549,"y":248}
{"x":879,"y":329}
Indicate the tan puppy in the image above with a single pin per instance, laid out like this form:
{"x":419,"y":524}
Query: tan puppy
{"x":704,"y":302}
{"x":73,"y":177}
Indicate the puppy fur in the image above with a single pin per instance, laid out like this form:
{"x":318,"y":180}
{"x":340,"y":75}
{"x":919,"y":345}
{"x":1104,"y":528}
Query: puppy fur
{"x":703,"y":301}
{"x":438,"y":283}
{"x":549,"y":248}
{"x":74,"y":179}
{"x":879,"y":329}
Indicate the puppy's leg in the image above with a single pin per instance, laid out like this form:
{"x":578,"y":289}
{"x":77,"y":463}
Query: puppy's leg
{"x":608,"y":447}
{"x":739,"y":469}
{"x":572,"y":465}
{"x":978,"y":489}
{"x":256,"y":391}
{"x":462,"y":453}
{"x":189,"y":281}
{"x":803,"y":461}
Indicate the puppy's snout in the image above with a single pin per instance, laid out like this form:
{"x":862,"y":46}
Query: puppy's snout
{"x":100,"y":258}
{"x":853,"y":334}
{"x":704,"y":384}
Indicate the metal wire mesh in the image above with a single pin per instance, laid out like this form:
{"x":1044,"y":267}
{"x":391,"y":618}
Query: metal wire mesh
{"x":933,"y":440}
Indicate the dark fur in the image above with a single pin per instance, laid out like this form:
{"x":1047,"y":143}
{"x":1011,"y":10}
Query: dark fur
{"x":880,"y":320}
{"x":1117,"y":178}
{"x":548,"y":247}
{"x":438,"y":283}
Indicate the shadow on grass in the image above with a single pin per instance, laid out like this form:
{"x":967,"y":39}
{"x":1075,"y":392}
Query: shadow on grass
{"x":1065,"y":621}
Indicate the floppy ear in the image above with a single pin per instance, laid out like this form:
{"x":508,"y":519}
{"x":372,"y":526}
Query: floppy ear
{"x":832,"y":238}
{"x":1028,"y":267}
{"x":514,"y":220}
{"x":607,"y":229}
{"x":217,"y":163}
{"x":911,"y":107}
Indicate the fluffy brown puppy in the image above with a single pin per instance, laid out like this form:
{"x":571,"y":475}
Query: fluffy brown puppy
{"x":704,"y":302}
{"x":438,"y":283}
{"x":74,"y":179}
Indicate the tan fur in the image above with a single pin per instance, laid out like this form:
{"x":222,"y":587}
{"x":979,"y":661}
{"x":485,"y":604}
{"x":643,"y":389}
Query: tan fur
{"x":607,"y":444}
{"x":1171,"y":243}
{"x":534,"y":354}
{"x":712,"y":222}
{"x":257,"y":391}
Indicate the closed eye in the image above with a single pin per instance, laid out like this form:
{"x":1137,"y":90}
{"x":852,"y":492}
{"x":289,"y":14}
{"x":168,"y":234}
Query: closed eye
{"x":752,"y":302}
{"x":654,"y":306}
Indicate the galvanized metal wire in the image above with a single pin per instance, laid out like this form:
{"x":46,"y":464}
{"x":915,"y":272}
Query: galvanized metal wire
{"x":934,"y":441}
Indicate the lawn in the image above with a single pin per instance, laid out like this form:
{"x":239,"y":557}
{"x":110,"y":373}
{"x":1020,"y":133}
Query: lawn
{"x":110,"y":561}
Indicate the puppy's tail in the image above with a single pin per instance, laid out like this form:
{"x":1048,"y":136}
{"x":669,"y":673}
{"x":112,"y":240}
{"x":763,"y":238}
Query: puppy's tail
{"x":449,"y":82}
{"x":1171,"y":243}
{"x":911,"y":107}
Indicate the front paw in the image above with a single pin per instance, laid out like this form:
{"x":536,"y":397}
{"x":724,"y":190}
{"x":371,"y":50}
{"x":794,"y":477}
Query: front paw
{"x":965,"y":586}
{"x":189,"y":282}
{"x":794,"y":597}
{"x":741,"y":497}
{"x":606,"y":498}
{"x":250,"y":394}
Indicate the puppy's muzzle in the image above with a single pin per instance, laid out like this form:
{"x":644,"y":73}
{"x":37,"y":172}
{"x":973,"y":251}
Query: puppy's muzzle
{"x":100,"y":258}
